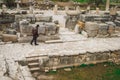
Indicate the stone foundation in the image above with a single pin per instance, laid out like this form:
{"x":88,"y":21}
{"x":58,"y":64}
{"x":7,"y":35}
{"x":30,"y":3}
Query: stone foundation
{"x":54,"y":62}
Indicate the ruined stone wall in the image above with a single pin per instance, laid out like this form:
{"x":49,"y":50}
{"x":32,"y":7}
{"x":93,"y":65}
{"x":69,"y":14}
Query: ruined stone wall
{"x":54,"y":62}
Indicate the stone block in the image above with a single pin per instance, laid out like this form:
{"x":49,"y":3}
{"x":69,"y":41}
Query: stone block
{"x":91,"y":28}
{"x":103,"y":29}
{"x":44,"y":18}
{"x":9,"y":37}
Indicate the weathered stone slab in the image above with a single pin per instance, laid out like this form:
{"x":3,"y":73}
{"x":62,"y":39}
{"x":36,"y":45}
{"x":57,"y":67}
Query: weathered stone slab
{"x":9,"y":37}
{"x":44,"y":18}
{"x":91,"y":28}
{"x":53,"y":41}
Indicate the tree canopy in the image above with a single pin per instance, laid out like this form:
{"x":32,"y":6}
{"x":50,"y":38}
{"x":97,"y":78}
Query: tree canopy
{"x":9,"y":3}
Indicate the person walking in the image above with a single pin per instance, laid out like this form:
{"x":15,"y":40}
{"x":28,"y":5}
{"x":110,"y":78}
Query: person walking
{"x":35,"y":35}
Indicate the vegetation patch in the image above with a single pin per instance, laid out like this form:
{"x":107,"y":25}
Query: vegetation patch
{"x":101,"y":71}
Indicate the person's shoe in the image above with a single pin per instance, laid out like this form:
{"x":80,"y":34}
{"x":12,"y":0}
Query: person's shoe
{"x":31,"y":43}
{"x":36,"y":44}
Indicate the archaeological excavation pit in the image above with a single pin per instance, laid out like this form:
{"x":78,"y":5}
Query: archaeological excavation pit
{"x":40,"y":64}
{"x":59,"y":40}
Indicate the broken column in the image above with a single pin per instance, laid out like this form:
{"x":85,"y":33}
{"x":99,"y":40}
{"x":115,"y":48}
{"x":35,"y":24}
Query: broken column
{"x":66,"y":8}
{"x":107,"y":5}
{"x":31,"y":7}
{"x":113,"y":13}
{"x":88,"y":8}
{"x":78,"y":9}
{"x":24,"y":25}
{"x":55,"y":9}
{"x":4,"y":8}
{"x":18,"y":6}
{"x":97,"y":10}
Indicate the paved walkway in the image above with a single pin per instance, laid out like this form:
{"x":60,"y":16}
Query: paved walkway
{"x":70,"y":36}
{"x":72,"y":44}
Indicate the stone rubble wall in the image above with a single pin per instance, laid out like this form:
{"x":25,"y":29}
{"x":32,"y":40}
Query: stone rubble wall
{"x":94,"y":17}
{"x":48,"y":30}
{"x":106,"y":26}
{"x":54,"y":62}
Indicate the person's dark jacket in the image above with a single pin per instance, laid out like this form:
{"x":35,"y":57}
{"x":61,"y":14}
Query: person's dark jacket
{"x":35,"y":32}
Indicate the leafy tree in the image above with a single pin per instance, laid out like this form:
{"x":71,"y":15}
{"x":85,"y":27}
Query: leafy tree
{"x":64,"y":0}
{"x":81,"y":1}
{"x":115,"y":1}
{"x":61,"y":0}
{"x":98,"y":2}
{"x":9,"y":3}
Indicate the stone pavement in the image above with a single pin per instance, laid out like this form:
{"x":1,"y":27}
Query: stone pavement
{"x":70,"y":36}
{"x":18,"y":51}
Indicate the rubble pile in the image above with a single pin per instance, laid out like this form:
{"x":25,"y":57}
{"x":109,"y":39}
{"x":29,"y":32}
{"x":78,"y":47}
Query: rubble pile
{"x":23,"y":25}
{"x":104,"y":25}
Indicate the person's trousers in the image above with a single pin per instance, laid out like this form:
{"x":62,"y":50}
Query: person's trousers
{"x":34,"y":40}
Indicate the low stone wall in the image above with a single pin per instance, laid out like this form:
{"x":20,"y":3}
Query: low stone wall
{"x":47,"y":63}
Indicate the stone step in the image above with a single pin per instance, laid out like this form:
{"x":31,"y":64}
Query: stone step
{"x":33,"y":64}
{"x":34,"y":69}
{"x":54,"y":41}
{"x":32,"y":59}
{"x":33,"y":56}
